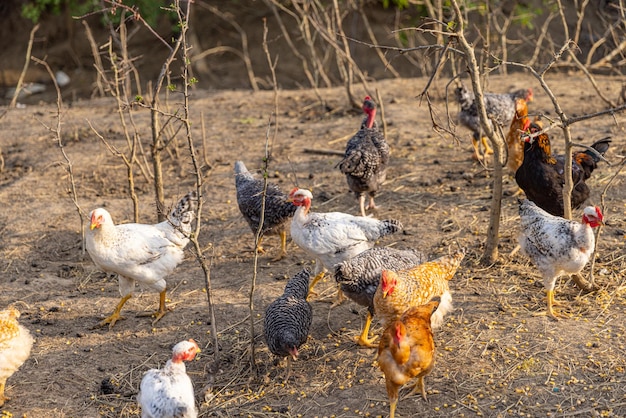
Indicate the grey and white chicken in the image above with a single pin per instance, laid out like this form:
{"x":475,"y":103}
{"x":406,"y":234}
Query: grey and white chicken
{"x":140,"y":252}
{"x":278,"y":210}
{"x":359,"y":276}
{"x":366,"y":158}
{"x":15,"y":344}
{"x":288,"y":319}
{"x":499,"y":107}
{"x":168,"y":392}
{"x":555,"y":245}
{"x":333,"y":237}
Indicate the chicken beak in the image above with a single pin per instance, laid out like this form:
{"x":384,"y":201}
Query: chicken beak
{"x":94,"y":224}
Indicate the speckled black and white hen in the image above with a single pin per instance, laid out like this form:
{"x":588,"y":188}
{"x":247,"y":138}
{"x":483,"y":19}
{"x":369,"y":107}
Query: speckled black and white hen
{"x":359,"y":277}
{"x":333,"y":237}
{"x":557,"y":246}
{"x":366,"y":158}
{"x":499,"y":107}
{"x":278,"y":210}
{"x":288,"y":319}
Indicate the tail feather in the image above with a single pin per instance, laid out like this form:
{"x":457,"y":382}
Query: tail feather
{"x":389,"y":226}
{"x":183,"y":213}
{"x":601,"y":145}
{"x":242,"y":170}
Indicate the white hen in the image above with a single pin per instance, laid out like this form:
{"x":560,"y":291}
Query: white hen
{"x":557,"y":246}
{"x":168,"y":392}
{"x":139,"y":252}
{"x":333,"y":237}
{"x":15,"y":344}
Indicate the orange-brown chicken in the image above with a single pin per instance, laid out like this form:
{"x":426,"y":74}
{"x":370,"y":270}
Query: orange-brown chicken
{"x":407,"y":351}
{"x":416,"y":286}
{"x":514,"y":142}
{"x":15,"y":345}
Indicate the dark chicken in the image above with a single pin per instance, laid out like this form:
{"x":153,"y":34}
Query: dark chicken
{"x":499,"y":107}
{"x":288,"y":319}
{"x":541,"y":175}
{"x":358,"y":278}
{"x":278,"y":210}
{"x":366,"y":158}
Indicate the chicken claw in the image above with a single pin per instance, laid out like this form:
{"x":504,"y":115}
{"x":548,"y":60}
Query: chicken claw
{"x":115,"y":316}
{"x":363,"y":340}
{"x":160,"y":313}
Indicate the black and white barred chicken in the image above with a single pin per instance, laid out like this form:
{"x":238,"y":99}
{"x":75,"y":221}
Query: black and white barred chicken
{"x":555,"y":245}
{"x":366,"y":158}
{"x":288,"y":319}
{"x":359,"y":276}
{"x":278,"y":210}
{"x":499,"y":107}
{"x":140,"y":252}
{"x":333,"y":237}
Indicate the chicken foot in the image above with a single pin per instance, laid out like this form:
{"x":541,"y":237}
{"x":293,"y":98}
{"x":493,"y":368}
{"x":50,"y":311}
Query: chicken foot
{"x":283,"y":246}
{"x":370,"y":206}
{"x":115,"y":316}
{"x":551,"y":303}
{"x":363,"y":339}
{"x":161,"y":312}
{"x":316,"y":279}
{"x":419,"y":387}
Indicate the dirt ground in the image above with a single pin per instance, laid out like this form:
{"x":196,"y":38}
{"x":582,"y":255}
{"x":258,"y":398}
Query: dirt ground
{"x":495,"y":358}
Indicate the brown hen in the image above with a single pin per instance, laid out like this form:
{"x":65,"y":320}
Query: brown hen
{"x":514,"y":142}
{"x":407,"y":351}
{"x":416,"y":286}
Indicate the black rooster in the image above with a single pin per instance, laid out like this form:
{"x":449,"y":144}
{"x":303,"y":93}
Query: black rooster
{"x":541,"y":175}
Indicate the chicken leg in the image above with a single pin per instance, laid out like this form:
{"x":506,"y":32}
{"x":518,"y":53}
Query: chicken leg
{"x":283,"y":246}
{"x":115,"y":316}
{"x":316,"y":279}
{"x":162,"y":309}
{"x":551,"y":303}
{"x":3,"y":398}
{"x":371,"y":205}
{"x":363,"y":339}
{"x":420,"y":387}
{"x":392,"y":392}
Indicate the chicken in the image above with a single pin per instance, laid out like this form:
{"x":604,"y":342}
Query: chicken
{"x":399,"y":290}
{"x":407,"y":351}
{"x":358,"y":278}
{"x":334,"y":236}
{"x":366,"y":158}
{"x":514,"y":142}
{"x":499,"y":107}
{"x":168,"y":392}
{"x":541,"y":175}
{"x":288,"y":319}
{"x":278,"y":211}
{"x":15,"y":344}
{"x":557,"y":246}
{"x":139,"y":252}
